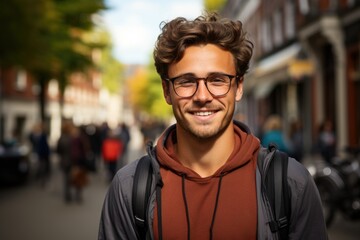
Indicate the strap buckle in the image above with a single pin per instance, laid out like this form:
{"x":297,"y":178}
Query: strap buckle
{"x":277,"y":225}
{"x":139,"y":221}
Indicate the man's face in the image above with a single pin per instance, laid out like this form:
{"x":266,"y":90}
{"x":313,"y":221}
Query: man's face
{"x":203,"y":115}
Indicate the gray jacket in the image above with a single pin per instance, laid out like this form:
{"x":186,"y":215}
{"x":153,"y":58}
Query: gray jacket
{"x":306,"y":222}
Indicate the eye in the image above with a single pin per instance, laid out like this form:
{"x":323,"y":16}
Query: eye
{"x":218,"y":79}
{"x":185,"y":81}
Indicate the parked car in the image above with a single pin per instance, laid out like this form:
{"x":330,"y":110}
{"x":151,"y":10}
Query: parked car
{"x":14,"y":164}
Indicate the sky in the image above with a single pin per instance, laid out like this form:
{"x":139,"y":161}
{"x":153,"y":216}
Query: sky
{"x":134,"y":24}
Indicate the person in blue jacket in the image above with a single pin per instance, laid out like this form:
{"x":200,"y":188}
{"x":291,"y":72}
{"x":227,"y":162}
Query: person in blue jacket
{"x":273,"y":134}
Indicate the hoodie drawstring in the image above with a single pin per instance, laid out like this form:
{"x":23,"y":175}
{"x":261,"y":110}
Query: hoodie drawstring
{"x":187,"y":209}
{"x":186,"y":206}
{"x":215,"y":208}
{"x":158,"y":202}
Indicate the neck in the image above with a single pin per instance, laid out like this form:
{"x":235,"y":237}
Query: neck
{"x":204,"y":156}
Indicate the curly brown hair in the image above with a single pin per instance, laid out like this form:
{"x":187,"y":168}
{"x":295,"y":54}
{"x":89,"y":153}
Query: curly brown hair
{"x":181,"y":33}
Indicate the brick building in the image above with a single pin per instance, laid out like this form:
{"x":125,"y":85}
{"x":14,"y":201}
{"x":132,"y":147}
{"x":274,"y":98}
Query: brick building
{"x":306,"y":64}
{"x":85,"y":102}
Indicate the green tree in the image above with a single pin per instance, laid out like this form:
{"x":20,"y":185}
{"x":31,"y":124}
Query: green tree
{"x":157,"y":106}
{"x":72,"y":51}
{"x":110,"y":67}
{"x":147,"y":94}
{"x":25,"y":25}
{"x":45,"y":37}
{"x":137,"y":85}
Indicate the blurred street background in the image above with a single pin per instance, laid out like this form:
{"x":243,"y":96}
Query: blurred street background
{"x":36,"y":212}
{"x":80,"y":97}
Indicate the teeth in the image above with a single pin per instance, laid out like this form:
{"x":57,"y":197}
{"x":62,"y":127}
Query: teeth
{"x":203,"y":113}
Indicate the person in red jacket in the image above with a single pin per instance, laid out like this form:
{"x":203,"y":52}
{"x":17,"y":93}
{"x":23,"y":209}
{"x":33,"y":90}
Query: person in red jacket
{"x":112,"y":149}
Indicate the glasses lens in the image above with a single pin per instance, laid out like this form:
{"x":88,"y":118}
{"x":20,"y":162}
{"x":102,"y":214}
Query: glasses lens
{"x":218,"y":84}
{"x":185,"y":86}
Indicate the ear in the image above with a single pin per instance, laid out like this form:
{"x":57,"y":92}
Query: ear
{"x":166,"y":91}
{"x":239,"y":89}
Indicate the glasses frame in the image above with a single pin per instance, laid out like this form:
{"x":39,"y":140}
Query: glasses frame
{"x":231,"y":77}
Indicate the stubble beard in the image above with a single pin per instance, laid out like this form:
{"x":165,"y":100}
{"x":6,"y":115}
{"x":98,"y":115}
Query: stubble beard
{"x":206,"y":131}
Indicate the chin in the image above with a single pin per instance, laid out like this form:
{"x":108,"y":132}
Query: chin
{"x":205,"y":132}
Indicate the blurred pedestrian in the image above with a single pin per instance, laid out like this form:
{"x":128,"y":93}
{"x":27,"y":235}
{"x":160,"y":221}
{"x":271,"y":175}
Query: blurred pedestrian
{"x":327,"y":141}
{"x":296,"y":140}
{"x":104,"y":130}
{"x":39,"y":141}
{"x":79,"y":172}
{"x":273,"y":134}
{"x":148,"y":131}
{"x":112,"y":149}
{"x":63,"y":148}
{"x":151,"y":129}
{"x":123,"y":133}
{"x":94,"y":155}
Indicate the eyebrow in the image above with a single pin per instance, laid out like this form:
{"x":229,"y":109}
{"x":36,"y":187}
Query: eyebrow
{"x":190,"y":74}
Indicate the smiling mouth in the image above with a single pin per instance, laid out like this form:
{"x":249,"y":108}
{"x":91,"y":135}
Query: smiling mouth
{"x":204,"y":113}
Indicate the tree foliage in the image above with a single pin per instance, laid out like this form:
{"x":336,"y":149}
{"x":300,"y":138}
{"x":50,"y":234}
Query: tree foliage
{"x":46,"y":37}
{"x":137,"y":85}
{"x":147,"y":95}
{"x":71,"y":49}
{"x":25,"y":27}
{"x":109,"y":66}
{"x":214,"y":5}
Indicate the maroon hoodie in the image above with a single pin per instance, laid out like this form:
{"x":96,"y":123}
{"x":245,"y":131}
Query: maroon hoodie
{"x":221,"y":206}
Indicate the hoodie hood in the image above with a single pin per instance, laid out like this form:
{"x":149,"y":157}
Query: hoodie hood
{"x":205,"y":207}
{"x":245,"y":146}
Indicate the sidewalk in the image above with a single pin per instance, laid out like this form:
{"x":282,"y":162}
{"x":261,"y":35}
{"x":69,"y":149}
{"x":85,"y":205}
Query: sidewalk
{"x":34,"y":213}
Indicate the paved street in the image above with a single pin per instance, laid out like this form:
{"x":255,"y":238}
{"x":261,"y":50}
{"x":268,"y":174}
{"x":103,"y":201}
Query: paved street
{"x":34,"y":213}
{"x":344,"y":230}
{"x":341,"y":229}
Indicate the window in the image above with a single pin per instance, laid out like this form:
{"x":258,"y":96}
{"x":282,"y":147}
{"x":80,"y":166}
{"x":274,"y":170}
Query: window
{"x":304,"y":7}
{"x":278,"y":35}
{"x":266,"y":38}
{"x":20,"y":81}
{"x":53,"y":88}
{"x":289,"y":20}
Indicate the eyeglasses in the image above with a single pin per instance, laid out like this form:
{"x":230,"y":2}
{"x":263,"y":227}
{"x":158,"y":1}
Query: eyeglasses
{"x":218,"y":84}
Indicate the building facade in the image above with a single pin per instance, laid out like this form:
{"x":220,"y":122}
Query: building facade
{"x":306,"y":65}
{"x":85,"y":102}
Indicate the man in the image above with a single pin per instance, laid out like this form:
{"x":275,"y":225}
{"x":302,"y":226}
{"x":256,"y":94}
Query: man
{"x":207,"y":183}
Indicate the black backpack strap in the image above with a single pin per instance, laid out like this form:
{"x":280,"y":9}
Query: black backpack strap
{"x":278,"y":193}
{"x":141,"y":194}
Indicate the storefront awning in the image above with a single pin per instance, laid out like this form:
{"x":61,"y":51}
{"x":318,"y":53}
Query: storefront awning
{"x":277,"y":60}
{"x":279,"y":67}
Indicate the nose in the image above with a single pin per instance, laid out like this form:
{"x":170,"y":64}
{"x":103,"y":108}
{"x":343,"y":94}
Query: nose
{"x":202,"y":94}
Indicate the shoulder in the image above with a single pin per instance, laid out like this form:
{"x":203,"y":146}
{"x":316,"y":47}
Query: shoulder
{"x":302,"y":186}
{"x":126,"y":173}
{"x":298,"y":173}
{"x":307,"y":220}
{"x":124,"y":178}
{"x":122,"y":183}
{"x":116,"y":217}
